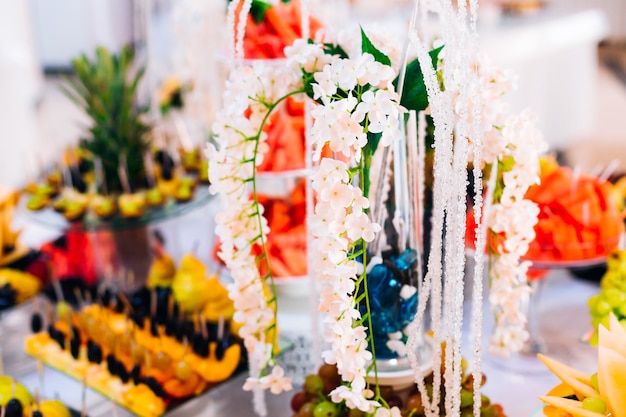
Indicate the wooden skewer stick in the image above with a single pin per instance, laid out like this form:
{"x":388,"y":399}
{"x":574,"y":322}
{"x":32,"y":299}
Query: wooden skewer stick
{"x":153,"y":303}
{"x":83,"y":408}
{"x":122,"y":173}
{"x":149,"y":167}
{"x":40,"y":373}
{"x":79,"y":298}
{"x":220,"y":328}
{"x":100,"y":177}
{"x":205,"y":331}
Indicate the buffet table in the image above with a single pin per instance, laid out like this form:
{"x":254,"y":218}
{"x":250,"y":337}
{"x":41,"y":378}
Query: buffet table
{"x":563,"y":313}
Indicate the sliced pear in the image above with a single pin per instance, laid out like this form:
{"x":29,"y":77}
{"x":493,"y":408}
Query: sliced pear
{"x":612,"y":380}
{"x":578,"y":380}
{"x":575,"y":408}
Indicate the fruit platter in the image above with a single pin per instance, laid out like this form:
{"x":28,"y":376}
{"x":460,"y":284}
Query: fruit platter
{"x":148,"y":350}
{"x":124,"y":172}
{"x":171,"y":192}
{"x":580,"y":221}
{"x":17,"y":401}
{"x":603,"y":393}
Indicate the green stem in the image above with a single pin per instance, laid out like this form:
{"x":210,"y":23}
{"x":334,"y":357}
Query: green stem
{"x":370,"y":337}
{"x":258,"y":215}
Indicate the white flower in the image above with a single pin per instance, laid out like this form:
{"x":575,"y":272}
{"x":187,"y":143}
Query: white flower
{"x":276,"y":381}
{"x":358,"y":226}
{"x":353,"y":399}
{"x":310,"y":56}
{"x":338,"y":195}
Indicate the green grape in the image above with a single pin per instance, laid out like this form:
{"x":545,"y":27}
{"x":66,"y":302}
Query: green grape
{"x":484,"y":401}
{"x":622,"y":310}
{"x":594,"y":382}
{"x":489,"y":411}
{"x":313,"y":384}
{"x":594,"y":404}
{"x":594,"y":339}
{"x":592,"y":301}
{"x":614,"y":297}
{"x":605,"y":321}
{"x":326,"y":409}
{"x":602,"y":308}
{"x":467,"y":398}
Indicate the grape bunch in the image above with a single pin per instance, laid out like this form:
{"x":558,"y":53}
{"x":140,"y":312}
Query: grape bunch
{"x":612,"y":296}
{"x":313,"y":399}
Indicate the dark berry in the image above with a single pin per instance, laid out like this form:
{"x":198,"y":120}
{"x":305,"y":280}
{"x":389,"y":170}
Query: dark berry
{"x":75,"y":347}
{"x":75,"y":333}
{"x":37,"y":413}
{"x":154,"y":328}
{"x":97,"y":356}
{"x":154,"y":385}
{"x":112,"y":364}
{"x":36,"y":323}
{"x":14,"y":408}
{"x":135,"y":374}
{"x":122,"y":372}
{"x":170,"y":326}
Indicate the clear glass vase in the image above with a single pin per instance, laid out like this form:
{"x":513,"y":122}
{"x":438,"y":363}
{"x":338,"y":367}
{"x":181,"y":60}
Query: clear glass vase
{"x":394,"y":257}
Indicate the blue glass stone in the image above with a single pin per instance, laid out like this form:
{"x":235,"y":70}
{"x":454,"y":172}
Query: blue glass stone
{"x":390,"y":313}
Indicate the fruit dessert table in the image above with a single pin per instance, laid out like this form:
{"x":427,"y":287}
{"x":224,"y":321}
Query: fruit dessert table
{"x":563,"y":319}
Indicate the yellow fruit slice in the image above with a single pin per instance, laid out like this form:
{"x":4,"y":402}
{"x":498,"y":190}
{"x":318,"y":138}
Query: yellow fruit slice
{"x":578,"y":380}
{"x":212,"y":370}
{"x":54,"y":408}
{"x":575,"y":408}
{"x":612,"y":380}
{"x":609,"y":340}
{"x":561,"y":390}
{"x":618,"y":333}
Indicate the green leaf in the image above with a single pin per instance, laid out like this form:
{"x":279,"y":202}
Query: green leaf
{"x":373,"y":139}
{"x":368,"y":47}
{"x":332,"y":49}
{"x":415,"y":96}
{"x":258,"y":9}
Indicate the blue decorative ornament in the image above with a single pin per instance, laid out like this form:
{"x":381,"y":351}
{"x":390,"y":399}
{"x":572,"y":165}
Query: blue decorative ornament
{"x":390,"y":312}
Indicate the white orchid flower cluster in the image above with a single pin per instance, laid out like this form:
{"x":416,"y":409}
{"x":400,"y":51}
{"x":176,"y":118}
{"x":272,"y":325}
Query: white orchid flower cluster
{"x":355,"y":98}
{"x":251,"y":93}
{"x":515,"y":144}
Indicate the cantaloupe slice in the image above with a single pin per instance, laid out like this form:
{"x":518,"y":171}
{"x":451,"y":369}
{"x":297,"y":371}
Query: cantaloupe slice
{"x":619,"y":333}
{"x":573,"y":407}
{"x":578,"y":380}
{"x":612,"y":379}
